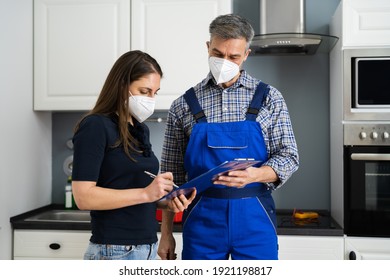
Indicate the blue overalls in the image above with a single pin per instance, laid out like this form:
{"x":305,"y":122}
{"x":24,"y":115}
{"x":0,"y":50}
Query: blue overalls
{"x":228,"y":221}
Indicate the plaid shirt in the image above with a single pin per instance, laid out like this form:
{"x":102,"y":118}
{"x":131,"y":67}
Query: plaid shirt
{"x":230,"y":105}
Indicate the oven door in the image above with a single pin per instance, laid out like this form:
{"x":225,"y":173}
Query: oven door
{"x":367,"y":191}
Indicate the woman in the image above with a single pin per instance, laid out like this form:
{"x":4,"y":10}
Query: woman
{"x":111,"y":152}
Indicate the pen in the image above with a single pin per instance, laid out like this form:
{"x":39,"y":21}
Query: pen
{"x":154,"y":176}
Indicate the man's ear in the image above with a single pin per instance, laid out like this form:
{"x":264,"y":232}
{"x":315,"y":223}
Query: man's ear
{"x":247,"y":53}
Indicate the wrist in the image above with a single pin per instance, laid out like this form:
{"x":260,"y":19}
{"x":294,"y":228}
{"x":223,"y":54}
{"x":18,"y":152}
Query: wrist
{"x":145,"y":197}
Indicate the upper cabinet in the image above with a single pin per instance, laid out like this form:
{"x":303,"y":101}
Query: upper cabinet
{"x":175,"y":33}
{"x":77,"y":42}
{"x":364,"y":23}
{"x":75,"y":45}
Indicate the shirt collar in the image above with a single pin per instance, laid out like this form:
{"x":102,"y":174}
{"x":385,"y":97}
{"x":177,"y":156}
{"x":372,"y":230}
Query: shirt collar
{"x":244,"y":80}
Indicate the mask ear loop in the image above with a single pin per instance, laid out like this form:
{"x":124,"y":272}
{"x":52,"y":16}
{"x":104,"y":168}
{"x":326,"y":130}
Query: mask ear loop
{"x":127,"y":103}
{"x":132,"y":96}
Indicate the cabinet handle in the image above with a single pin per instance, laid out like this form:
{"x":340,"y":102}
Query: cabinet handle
{"x":352,"y":255}
{"x":55,"y":246}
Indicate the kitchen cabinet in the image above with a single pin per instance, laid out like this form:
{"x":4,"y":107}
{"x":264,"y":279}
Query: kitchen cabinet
{"x":364,"y":23}
{"x":311,"y":247}
{"x":75,"y":45}
{"x":50,"y":244}
{"x":60,"y":244}
{"x":77,"y":42}
{"x":367,"y":248}
{"x":175,"y":32}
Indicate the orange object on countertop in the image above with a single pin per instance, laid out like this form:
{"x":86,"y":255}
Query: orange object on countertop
{"x":305,"y":215}
{"x":176,"y":219}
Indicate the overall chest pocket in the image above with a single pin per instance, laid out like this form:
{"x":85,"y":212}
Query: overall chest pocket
{"x":232,"y":136}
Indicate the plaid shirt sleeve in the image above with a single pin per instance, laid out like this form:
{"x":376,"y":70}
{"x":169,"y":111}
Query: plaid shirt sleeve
{"x":279,"y":137}
{"x":175,"y":142}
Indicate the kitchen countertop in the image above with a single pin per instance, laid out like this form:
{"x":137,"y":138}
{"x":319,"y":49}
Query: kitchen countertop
{"x":323,"y":226}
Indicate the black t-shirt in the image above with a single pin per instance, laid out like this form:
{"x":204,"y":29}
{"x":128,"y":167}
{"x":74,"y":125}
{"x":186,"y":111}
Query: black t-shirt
{"x":94,"y":159}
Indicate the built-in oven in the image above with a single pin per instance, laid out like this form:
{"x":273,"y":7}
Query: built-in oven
{"x":367,"y":179}
{"x":366,"y":84}
{"x":360,"y":148}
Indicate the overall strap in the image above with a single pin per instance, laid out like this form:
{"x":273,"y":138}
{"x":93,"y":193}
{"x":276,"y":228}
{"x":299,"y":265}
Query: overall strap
{"x":195,"y":108}
{"x":257,"y":101}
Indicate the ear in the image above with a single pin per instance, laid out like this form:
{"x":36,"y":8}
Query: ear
{"x":208,"y":45}
{"x":247,"y":54}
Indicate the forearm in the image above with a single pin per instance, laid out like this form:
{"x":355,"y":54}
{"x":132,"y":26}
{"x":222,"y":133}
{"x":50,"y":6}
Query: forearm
{"x":167,"y":222}
{"x":266,"y":174}
{"x":167,"y":244}
{"x":88,"y":196}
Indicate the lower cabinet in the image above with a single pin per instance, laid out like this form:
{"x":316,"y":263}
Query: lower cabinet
{"x":367,"y":248}
{"x":50,"y":244}
{"x":294,"y":247}
{"x":59,"y":244}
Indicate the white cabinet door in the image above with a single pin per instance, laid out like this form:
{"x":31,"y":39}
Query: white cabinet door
{"x":367,"y":248}
{"x":175,"y":33}
{"x":366,"y":23}
{"x":303,"y":247}
{"x":50,"y":244}
{"x":75,"y":46}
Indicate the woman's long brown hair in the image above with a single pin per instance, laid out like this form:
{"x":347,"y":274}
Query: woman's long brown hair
{"x":113,"y":97}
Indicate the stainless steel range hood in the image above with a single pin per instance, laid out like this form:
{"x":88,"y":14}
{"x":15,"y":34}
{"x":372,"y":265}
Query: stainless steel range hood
{"x":282,"y":31}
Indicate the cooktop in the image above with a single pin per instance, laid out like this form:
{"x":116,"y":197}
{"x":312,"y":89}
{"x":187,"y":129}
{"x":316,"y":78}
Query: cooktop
{"x":324,"y":224}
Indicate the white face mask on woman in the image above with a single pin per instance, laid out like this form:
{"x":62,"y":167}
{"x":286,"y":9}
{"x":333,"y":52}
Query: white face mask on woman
{"x":223,"y":70}
{"x":141,"y":107}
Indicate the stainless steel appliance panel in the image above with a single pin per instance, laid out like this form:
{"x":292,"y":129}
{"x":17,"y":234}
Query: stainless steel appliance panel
{"x":379,"y":109}
{"x":366,"y":134}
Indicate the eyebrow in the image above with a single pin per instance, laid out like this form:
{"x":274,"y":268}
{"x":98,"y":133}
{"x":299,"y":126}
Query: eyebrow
{"x":215,"y":50}
{"x":148,"y":89}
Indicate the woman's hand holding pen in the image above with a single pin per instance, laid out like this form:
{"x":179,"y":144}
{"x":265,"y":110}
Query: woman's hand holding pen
{"x":160,"y":186}
{"x":176,"y":204}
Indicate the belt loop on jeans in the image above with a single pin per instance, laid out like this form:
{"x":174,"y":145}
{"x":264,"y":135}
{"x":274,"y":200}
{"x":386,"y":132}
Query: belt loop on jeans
{"x":234,"y":193}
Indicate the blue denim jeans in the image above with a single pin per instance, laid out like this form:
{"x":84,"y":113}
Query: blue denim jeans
{"x":121,"y":252}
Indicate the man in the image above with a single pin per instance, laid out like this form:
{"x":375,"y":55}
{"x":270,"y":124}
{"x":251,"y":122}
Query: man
{"x":229,"y":115}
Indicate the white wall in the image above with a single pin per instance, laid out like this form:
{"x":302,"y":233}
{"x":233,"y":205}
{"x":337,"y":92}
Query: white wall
{"x":25,"y":136}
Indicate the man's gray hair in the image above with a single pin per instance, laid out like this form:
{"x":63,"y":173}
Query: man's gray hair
{"x":231,"y":27}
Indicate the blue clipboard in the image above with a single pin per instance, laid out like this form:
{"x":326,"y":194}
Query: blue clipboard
{"x":205,"y":180}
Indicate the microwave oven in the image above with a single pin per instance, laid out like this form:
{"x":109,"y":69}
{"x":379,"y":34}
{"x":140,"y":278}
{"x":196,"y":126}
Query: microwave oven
{"x":366,"y":91}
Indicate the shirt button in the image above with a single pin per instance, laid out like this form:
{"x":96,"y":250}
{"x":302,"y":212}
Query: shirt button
{"x":225,"y":109}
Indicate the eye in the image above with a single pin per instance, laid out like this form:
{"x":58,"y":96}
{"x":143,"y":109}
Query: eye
{"x":219,"y":55}
{"x":234,"y":58}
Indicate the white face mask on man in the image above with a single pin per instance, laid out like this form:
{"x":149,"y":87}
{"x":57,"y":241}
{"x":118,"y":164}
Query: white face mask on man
{"x":223,"y":70}
{"x":141,"y":107}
